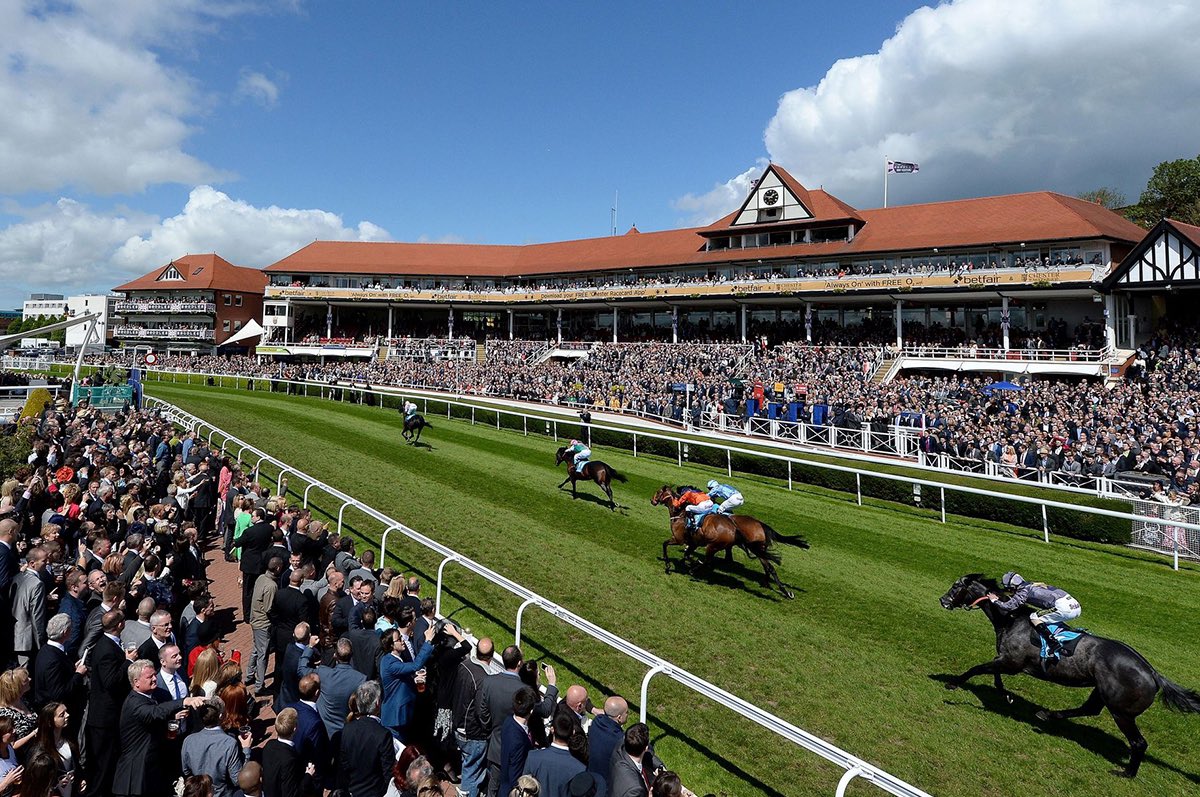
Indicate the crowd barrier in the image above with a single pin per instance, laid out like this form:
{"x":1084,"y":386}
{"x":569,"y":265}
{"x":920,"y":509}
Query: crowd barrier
{"x":854,"y":767}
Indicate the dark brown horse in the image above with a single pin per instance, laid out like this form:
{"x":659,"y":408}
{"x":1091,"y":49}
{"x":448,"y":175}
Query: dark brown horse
{"x":599,"y":472}
{"x":718,"y":533}
{"x":1121,"y":680}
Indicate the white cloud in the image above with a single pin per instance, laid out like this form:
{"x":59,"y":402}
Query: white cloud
{"x":701,"y":209}
{"x":258,"y":87}
{"x":69,"y":246}
{"x":88,"y":103}
{"x":996,"y":96}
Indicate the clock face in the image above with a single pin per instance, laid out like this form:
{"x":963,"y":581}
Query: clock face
{"x":771,"y":196}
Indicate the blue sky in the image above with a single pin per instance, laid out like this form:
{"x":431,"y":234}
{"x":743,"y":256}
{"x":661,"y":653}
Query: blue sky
{"x":141,"y":130}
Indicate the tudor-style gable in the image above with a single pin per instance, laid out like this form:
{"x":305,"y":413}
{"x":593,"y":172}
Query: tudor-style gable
{"x":772,"y":200}
{"x":1168,"y":255}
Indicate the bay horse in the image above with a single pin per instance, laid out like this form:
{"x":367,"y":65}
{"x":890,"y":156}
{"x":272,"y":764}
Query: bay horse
{"x":413,"y":427}
{"x":599,"y":472}
{"x":1120,"y":678}
{"x":720,"y":532}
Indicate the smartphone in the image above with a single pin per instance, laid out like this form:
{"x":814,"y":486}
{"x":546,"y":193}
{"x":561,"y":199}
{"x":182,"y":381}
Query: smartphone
{"x":542,"y":664}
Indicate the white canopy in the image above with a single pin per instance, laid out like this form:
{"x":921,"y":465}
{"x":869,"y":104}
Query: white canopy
{"x":251,"y":330}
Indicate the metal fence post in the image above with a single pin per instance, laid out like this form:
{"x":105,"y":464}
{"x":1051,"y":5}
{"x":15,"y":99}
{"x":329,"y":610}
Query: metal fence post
{"x":679,"y":452}
{"x":472,"y":414}
{"x":525,"y":424}
{"x":789,"y":474}
{"x":1045,"y":525}
{"x":729,"y":462}
{"x":655,"y":670}
{"x":850,"y":775}
{"x":437,"y":605}
{"x":520,"y":613}
{"x":341,"y":512}
{"x":858,"y":487}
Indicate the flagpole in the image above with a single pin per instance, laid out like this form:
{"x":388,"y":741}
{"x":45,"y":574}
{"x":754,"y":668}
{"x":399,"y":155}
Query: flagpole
{"x":885,"y":176}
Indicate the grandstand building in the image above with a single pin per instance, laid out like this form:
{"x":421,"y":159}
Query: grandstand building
{"x":192,"y":305}
{"x":789,"y":257}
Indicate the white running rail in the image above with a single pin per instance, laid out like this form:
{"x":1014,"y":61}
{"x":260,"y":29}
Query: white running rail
{"x":854,"y":767}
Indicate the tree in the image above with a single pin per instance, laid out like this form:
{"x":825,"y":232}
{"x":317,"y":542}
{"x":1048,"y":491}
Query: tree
{"x":1173,"y":191}
{"x":1106,"y":197}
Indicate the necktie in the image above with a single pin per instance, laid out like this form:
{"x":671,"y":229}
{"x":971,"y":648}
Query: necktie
{"x":408,"y":644}
{"x":179,"y":695}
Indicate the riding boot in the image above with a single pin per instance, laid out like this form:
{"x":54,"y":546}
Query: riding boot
{"x":1053,"y":646}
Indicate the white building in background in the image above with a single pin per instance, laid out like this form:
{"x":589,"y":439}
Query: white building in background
{"x":39,"y":305}
{"x":85,"y":305}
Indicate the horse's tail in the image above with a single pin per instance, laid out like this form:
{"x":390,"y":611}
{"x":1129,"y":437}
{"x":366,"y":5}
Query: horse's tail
{"x":614,"y":475}
{"x":773,"y":537}
{"x":1177,"y":697}
{"x":425,"y":421}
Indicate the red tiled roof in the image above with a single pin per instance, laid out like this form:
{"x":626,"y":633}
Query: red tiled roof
{"x":1189,"y":231}
{"x":201,"y":272}
{"x":1032,"y":217}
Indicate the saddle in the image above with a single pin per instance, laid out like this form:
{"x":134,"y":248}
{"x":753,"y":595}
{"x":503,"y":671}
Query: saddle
{"x":579,"y":468}
{"x":1067,"y":637}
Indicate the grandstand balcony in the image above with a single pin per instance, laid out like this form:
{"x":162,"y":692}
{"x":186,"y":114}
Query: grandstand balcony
{"x":321,"y":347}
{"x":815,"y":284}
{"x":131,"y":332}
{"x":1072,"y":362}
{"x":139,"y":306}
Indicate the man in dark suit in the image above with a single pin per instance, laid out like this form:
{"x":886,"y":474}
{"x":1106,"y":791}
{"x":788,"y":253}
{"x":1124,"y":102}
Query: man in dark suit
{"x":290,"y":608}
{"x":203,"y":499}
{"x":515,"y":741}
{"x":365,"y":641}
{"x":311,"y":740}
{"x":605,"y":734}
{"x":109,"y":684}
{"x":9,"y":567}
{"x":55,"y":677}
{"x":634,"y":765}
{"x":366,"y":755}
{"x":143,"y":732}
{"x":287,"y":690}
{"x":73,"y":607}
{"x":161,"y":635}
{"x":495,"y":705}
{"x":555,"y":766}
{"x":254,"y":542}
{"x":347,"y":611}
{"x":284,"y":771}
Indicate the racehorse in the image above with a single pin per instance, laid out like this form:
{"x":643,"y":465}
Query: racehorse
{"x":1121,"y":680}
{"x":413,"y":427}
{"x":719,"y":532}
{"x":601,"y":473}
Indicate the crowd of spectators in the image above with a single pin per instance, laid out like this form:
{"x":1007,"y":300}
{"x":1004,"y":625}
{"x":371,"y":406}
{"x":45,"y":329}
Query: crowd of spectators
{"x":118,"y":680}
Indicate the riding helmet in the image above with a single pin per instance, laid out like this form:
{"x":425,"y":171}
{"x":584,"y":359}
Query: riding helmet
{"x":1012,"y":580}
{"x":712,"y":485}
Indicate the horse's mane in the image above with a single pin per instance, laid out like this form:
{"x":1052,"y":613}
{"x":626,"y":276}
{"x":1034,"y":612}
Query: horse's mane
{"x":991,"y":583}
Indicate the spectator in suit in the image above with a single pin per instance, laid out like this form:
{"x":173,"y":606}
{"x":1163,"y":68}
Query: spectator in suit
{"x":555,"y":766}
{"x":284,"y":771}
{"x":289,"y":680}
{"x":108,"y":686}
{"x":311,"y":739}
{"x":397,"y":671}
{"x":365,"y":641}
{"x":606,"y":734}
{"x":213,"y":752}
{"x":347,"y":611}
{"x":161,"y":635}
{"x":338,"y":683}
{"x":9,"y":567}
{"x":495,"y":704}
{"x":143,"y":730}
{"x":515,"y":741}
{"x":55,"y":678}
{"x":29,"y":608}
{"x":138,"y":631}
{"x":290,"y":608}
{"x":412,"y":594}
{"x":366,"y":753}
{"x":261,"y":602}
{"x":171,"y":678}
{"x":327,"y":604}
{"x":112,"y":596}
{"x":73,"y":607}
{"x":254,"y":542}
{"x":634,"y":765}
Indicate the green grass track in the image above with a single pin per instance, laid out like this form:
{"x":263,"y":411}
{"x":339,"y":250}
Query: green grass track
{"x":853,"y":659}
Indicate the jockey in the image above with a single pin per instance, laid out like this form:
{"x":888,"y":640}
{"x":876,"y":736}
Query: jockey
{"x":728,"y":497}
{"x":697,"y":505}
{"x":582,"y":454}
{"x":410,"y":409}
{"x":1051,"y":605}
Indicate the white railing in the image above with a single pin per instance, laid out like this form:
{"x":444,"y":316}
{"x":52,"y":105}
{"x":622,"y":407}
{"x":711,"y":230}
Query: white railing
{"x":684,"y":445}
{"x":149,"y":333}
{"x":1023,"y":355}
{"x":854,"y":767}
{"x":134,"y":306}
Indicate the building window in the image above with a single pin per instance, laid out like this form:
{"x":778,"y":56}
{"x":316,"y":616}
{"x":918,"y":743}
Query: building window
{"x":225,"y":325}
{"x":237,"y":325}
{"x":228,"y":300}
{"x":237,"y":301}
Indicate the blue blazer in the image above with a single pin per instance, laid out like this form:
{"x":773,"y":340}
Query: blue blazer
{"x":311,"y":739}
{"x":73,"y":607}
{"x":515,"y":745}
{"x":399,"y":690}
{"x":553,"y":767}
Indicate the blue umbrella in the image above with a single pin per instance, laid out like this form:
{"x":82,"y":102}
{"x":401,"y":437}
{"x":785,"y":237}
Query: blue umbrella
{"x":1001,"y":386}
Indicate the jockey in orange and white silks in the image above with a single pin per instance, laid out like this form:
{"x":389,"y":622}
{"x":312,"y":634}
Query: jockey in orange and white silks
{"x":696,"y":505}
